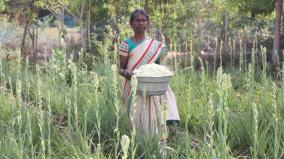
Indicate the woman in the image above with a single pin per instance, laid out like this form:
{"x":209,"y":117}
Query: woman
{"x":134,"y":52}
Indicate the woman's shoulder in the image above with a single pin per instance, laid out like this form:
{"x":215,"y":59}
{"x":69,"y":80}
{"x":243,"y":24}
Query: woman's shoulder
{"x":124,"y":47}
{"x":126,"y":41}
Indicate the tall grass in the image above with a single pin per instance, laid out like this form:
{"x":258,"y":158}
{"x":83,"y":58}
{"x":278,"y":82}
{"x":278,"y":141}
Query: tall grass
{"x":66,"y":110}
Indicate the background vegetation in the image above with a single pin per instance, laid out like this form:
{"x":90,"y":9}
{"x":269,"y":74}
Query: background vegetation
{"x":60,"y":90}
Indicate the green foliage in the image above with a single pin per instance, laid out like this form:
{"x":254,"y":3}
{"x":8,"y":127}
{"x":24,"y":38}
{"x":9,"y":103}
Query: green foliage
{"x":254,"y":13}
{"x":2,"y":5}
{"x":256,"y":6}
{"x":67,"y":110}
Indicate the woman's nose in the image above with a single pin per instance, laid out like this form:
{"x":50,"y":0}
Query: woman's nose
{"x":141,"y":22}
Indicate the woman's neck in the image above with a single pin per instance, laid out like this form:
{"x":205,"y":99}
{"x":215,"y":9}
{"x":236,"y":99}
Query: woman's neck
{"x":139,"y":37}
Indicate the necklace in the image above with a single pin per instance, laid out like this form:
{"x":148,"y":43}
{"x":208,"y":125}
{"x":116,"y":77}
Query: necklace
{"x":137,"y":41}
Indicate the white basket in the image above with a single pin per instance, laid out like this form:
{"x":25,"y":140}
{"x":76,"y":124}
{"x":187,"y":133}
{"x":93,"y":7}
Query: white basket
{"x":153,"y":85}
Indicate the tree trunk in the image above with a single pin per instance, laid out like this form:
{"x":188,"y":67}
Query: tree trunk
{"x":24,"y":37}
{"x":276,"y":42}
{"x":224,"y":35}
{"x":82,"y":29}
{"x":89,"y":27}
{"x":282,"y":20}
{"x":146,"y":5}
{"x":222,"y":51}
{"x":32,"y":36}
{"x":60,"y":17}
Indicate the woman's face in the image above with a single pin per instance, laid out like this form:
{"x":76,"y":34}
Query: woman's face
{"x":139,"y":24}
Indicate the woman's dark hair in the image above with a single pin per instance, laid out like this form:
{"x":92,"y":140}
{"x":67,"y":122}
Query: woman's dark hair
{"x":137,"y":12}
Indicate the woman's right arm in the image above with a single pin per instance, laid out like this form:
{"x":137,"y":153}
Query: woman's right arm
{"x":123,"y":60}
{"x":123,"y":64}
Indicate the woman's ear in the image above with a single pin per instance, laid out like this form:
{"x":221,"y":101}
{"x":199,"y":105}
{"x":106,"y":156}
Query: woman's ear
{"x":130,"y":23}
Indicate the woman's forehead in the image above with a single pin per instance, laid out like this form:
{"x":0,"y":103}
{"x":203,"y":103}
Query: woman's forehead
{"x":140,"y":16}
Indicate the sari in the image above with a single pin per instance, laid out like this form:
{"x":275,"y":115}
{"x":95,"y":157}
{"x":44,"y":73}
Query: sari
{"x":151,"y":112}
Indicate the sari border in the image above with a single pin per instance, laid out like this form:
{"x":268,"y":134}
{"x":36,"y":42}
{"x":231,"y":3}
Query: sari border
{"x":155,"y":53}
{"x":143,"y":55}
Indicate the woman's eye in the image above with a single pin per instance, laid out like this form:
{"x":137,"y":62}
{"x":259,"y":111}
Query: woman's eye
{"x":140,"y":20}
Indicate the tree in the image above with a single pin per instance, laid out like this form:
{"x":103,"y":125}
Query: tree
{"x":172,"y":19}
{"x":277,"y":28}
{"x":28,"y":10}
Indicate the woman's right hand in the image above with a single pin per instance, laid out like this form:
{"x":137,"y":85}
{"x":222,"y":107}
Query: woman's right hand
{"x":127,"y":74}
